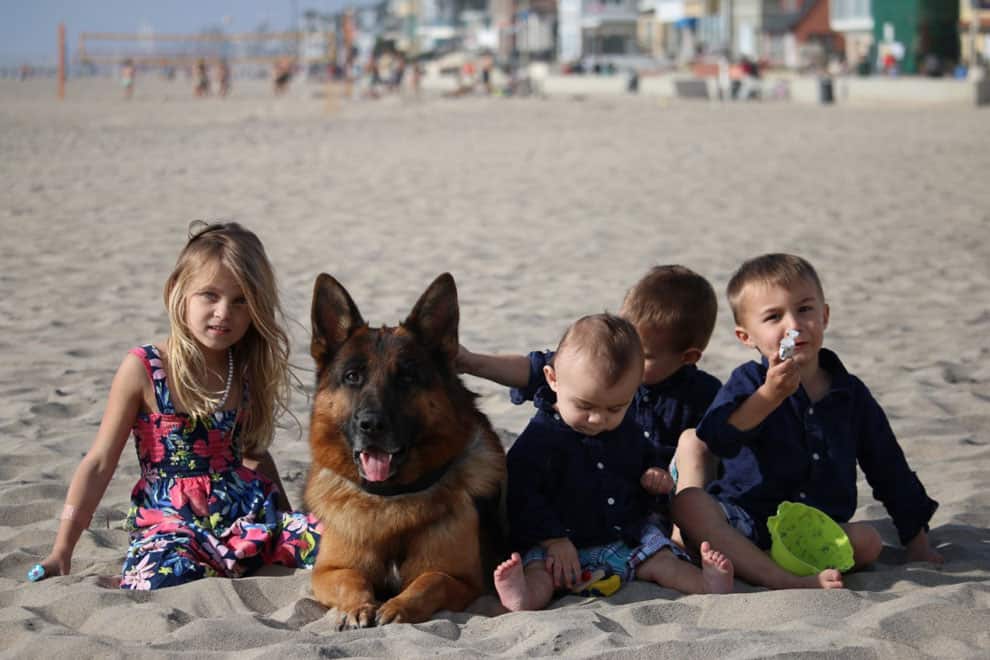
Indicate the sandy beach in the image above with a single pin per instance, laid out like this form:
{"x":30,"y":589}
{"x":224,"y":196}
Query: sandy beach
{"x":543,"y":210}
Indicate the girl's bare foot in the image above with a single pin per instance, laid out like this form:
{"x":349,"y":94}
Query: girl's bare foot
{"x":510,"y":583}
{"x":716,"y":570}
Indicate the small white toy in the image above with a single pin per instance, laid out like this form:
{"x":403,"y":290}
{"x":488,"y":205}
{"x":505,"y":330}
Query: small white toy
{"x":787,"y":344}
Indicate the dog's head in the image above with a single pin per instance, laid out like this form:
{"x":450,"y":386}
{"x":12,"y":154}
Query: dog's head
{"x":390,"y":394}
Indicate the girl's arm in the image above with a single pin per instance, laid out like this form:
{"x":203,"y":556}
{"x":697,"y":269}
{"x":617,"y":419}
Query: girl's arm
{"x":93,"y":475}
{"x":265,"y":464}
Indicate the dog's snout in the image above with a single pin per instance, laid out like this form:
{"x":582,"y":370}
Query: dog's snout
{"x":370,"y":422}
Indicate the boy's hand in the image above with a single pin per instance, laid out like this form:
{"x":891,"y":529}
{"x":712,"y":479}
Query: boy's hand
{"x":562,"y":562}
{"x":919,"y":549}
{"x":657,"y":481}
{"x":783,"y":378}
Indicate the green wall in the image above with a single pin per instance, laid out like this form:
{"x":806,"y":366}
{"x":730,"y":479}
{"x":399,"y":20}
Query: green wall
{"x":923,"y":26}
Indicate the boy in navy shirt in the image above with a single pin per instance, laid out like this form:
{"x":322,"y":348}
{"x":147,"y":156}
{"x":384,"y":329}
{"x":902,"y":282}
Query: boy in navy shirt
{"x":673,"y":309}
{"x":582,"y":479}
{"x":793,"y":427}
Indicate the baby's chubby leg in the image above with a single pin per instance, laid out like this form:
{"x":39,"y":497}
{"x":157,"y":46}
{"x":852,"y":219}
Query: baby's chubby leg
{"x":523,"y":588}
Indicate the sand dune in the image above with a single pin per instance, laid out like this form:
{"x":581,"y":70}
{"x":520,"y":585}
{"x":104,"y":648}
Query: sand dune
{"x":543,"y":210}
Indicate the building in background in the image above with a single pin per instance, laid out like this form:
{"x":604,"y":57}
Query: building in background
{"x":797,"y":34}
{"x":597,"y":29}
{"x":924,"y":34}
{"x":974,"y":29}
{"x":853,"y":19}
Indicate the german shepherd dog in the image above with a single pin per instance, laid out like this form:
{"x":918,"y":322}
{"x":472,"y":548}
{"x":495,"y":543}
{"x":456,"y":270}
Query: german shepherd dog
{"x":405,"y":468}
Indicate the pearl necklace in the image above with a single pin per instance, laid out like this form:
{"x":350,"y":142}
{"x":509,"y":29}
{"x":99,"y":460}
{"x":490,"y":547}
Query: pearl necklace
{"x":230,"y":380}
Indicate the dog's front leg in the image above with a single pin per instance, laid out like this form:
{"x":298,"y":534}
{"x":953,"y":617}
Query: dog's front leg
{"x":350,"y":592}
{"x":429,"y":592}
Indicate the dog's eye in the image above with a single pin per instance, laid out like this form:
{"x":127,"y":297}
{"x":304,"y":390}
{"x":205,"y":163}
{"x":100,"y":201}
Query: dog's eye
{"x":352,"y":377}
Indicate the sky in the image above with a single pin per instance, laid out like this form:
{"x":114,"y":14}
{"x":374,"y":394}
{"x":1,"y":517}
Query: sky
{"x":29,"y":28}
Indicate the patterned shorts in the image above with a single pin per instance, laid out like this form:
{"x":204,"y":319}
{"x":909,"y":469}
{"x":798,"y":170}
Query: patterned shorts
{"x":618,"y":558}
{"x":739,"y":519}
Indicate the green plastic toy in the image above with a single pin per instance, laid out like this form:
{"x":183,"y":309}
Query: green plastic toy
{"x":806,"y":541}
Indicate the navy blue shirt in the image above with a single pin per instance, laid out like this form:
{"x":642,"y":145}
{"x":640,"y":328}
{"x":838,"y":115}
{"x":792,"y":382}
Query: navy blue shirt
{"x":662,"y":411}
{"x":805,"y":452}
{"x":563,"y":483}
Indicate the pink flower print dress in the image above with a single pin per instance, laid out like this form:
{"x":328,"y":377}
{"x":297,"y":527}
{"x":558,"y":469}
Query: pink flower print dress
{"x":197,"y":511}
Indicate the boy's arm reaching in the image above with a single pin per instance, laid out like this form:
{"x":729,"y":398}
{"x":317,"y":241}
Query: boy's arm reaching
{"x":507,"y":370}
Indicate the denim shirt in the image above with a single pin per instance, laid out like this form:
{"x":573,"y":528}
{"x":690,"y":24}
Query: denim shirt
{"x":805,"y":452}
{"x":563,"y":483}
{"x":661,"y":411}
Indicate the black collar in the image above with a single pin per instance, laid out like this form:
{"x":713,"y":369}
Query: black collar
{"x":421,"y":484}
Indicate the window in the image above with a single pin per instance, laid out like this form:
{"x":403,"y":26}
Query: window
{"x":845,"y":10}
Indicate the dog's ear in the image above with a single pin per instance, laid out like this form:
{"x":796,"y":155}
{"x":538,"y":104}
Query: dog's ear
{"x":335,"y":318}
{"x":435,"y":317}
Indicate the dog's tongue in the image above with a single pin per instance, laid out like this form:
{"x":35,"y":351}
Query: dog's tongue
{"x":376,"y":465}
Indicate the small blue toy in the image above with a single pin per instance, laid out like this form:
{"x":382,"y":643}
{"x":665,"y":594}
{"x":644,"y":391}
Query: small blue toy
{"x":36,"y":573}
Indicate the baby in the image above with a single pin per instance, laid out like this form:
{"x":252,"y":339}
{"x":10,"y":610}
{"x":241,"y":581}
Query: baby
{"x":582,"y":480}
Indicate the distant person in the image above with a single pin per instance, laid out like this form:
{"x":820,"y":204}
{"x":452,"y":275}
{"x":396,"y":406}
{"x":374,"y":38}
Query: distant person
{"x":201,"y":78}
{"x":281,"y":76}
{"x":582,"y":480}
{"x":486,"y":73}
{"x":223,"y":77}
{"x":127,"y":78}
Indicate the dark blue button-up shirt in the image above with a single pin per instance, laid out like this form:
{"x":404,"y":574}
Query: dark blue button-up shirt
{"x":662,"y":411}
{"x":807,"y":452}
{"x":563,"y":483}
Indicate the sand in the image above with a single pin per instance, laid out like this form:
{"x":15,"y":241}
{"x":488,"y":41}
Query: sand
{"x":543,"y":210}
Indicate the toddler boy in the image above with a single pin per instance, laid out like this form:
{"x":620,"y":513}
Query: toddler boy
{"x":673,"y":310}
{"x":581,"y":479}
{"x":794,"y":429}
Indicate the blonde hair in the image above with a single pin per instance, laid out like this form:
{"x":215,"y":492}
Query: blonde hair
{"x":611,"y":341}
{"x":676,"y":299}
{"x":261,"y":356}
{"x":777,"y":269}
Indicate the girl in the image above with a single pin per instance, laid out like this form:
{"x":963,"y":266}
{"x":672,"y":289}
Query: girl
{"x":202,"y":407}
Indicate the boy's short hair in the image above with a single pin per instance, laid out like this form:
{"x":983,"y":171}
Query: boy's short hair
{"x":676,"y":299}
{"x":610,"y":340}
{"x":776,"y":269}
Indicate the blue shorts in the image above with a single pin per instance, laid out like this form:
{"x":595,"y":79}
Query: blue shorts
{"x":618,"y":558}
{"x":744,"y":523}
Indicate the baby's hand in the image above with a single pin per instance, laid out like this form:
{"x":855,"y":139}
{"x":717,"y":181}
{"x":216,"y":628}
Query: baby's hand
{"x":657,"y":481}
{"x":562,"y":562}
{"x":919,"y":549}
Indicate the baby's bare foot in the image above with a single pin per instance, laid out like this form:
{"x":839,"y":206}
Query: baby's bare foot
{"x":510,"y":583}
{"x":716,"y":570}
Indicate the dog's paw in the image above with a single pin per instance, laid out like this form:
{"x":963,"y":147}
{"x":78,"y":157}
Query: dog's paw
{"x":362,"y":616}
{"x":392,"y":612}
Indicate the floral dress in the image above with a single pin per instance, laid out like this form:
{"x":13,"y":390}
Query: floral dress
{"x":197,"y":510}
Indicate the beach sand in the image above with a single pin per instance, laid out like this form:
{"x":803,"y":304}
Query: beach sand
{"x":543,"y":210}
